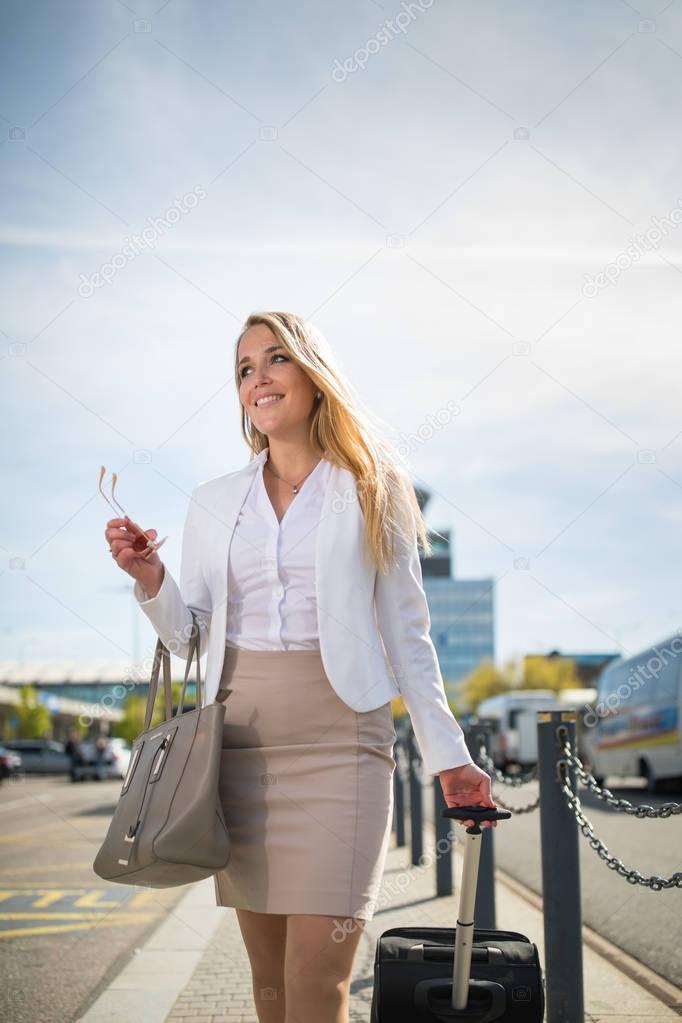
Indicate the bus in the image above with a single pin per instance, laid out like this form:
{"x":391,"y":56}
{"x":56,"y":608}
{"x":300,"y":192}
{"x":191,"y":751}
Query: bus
{"x":634,"y":727}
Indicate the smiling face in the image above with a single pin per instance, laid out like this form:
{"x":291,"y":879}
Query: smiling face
{"x":266,"y":368}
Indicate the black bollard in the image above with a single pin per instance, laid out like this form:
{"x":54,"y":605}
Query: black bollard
{"x":399,"y":776}
{"x":416,"y":822}
{"x":560,"y":874}
{"x":444,"y":841}
{"x":484,"y":907}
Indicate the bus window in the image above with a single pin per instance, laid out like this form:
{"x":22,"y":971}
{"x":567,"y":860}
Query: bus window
{"x":664,"y":686}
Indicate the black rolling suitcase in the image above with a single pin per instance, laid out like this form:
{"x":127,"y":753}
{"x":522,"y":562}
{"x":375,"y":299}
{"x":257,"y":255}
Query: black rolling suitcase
{"x":423,"y":974}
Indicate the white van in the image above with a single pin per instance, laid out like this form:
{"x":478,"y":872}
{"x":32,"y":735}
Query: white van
{"x":580,"y":700}
{"x":512,"y":744}
{"x":634,"y":729}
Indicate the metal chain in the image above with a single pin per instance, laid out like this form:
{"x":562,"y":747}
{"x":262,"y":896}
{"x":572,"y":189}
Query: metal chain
{"x":517,"y":809}
{"x":488,"y":765}
{"x":618,"y":804}
{"x":630,"y":874}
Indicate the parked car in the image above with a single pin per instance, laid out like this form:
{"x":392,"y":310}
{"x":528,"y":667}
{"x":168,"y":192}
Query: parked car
{"x":10,"y":763}
{"x":40,"y":756}
{"x":111,"y":763}
{"x":121,"y":753}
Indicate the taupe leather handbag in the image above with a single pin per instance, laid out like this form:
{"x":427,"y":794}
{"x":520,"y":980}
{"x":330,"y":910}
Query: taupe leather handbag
{"x":168,"y":828}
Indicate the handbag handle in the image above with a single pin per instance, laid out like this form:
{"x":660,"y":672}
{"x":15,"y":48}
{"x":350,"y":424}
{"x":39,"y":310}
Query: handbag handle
{"x":194,"y":644}
{"x":162,"y":653}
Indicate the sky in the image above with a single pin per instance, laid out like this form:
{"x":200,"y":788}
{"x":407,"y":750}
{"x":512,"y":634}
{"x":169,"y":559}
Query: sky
{"x":478,"y":205}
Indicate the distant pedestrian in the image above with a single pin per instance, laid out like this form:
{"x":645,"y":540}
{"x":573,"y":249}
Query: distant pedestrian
{"x":74,"y":751}
{"x":102,"y":758}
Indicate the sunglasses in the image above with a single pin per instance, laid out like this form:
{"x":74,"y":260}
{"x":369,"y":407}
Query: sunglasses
{"x":142,"y":544}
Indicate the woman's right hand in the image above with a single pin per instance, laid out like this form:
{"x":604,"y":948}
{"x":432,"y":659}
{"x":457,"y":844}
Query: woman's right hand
{"x":147,"y":571}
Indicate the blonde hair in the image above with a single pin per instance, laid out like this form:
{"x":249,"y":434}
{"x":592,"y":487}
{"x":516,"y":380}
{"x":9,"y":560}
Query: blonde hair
{"x":343,"y":435}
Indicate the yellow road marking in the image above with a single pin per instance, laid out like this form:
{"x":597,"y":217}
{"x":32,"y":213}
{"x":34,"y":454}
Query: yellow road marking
{"x":9,"y":895}
{"x":85,"y":898}
{"x":45,"y":900}
{"x":31,"y":833}
{"x":30,"y":932}
{"x":123,"y":915}
{"x":44,"y":867}
{"x":91,"y":900}
{"x":26,"y":887}
{"x":98,"y":900}
{"x":65,"y":843}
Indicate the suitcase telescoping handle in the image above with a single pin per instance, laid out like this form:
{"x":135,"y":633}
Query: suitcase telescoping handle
{"x":464,"y":933}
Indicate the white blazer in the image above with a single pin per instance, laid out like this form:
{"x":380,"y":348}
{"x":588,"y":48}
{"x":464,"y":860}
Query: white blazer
{"x":373,"y":628}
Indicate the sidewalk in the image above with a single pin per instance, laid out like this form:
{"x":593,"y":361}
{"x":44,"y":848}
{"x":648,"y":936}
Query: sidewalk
{"x":195,"y":969}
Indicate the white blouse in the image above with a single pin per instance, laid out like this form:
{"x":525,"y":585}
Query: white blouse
{"x":271,"y":602}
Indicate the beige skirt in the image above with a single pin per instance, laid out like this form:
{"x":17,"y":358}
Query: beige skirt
{"x":306,"y":784}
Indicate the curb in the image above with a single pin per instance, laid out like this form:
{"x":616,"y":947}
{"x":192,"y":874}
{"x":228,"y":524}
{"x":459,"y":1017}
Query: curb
{"x":148,"y":985}
{"x":652,"y":982}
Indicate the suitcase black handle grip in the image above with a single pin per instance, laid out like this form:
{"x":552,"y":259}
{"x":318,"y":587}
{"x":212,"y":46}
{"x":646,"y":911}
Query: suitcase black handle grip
{"x":445,"y":954}
{"x":487,"y":1001}
{"x":476,"y":814}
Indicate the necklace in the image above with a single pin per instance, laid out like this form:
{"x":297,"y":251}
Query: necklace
{"x":294,"y":487}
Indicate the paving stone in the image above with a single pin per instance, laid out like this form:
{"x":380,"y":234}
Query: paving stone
{"x":220,"y":990}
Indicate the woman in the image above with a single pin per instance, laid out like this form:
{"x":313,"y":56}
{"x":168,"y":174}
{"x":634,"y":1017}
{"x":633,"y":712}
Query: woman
{"x":303,"y":571}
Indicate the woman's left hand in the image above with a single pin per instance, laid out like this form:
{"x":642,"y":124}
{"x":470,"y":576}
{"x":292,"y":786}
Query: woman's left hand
{"x":468,"y":785}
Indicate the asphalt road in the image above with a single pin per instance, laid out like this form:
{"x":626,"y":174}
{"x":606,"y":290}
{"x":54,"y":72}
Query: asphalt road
{"x":64,"y":932}
{"x":645,"y":923}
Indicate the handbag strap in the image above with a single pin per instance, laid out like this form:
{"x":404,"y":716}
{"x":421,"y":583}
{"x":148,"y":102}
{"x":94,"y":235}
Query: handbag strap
{"x":194,"y":645}
{"x":162,"y":653}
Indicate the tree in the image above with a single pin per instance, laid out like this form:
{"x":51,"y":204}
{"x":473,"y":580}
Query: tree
{"x":555,"y":673}
{"x":134,"y":710}
{"x":34,"y":720}
{"x":132,"y":722}
{"x":400,"y":712}
{"x":487,"y":680}
{"x":536,"y":672}
{"x":398,"y":708}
